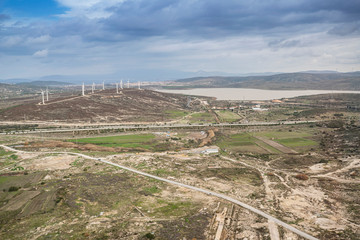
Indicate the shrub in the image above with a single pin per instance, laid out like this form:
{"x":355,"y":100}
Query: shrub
{"x":149,"y":236}
{"x":335,"y":124}
{"x":302,"y":176}
{"x":13,"y":189}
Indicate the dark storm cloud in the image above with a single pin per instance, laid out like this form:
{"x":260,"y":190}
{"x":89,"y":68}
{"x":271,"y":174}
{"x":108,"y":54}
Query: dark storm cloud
{"x":137,"y":19}
{"x":345,"y":29}
{"x":214,"y":18}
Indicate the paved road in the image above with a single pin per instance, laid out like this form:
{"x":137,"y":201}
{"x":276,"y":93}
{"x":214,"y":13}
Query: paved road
{"x":211,"y":193}
{"x":162,"y":126}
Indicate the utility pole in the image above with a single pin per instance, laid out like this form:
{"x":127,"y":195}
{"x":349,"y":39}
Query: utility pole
{"x":117,"y":87}
{"x":83,"y":89}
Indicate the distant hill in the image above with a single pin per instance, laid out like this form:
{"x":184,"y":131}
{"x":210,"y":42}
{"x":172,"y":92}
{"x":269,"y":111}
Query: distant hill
{"x":290,"y":81}
{"x":44,"y":83}
{"x":131,"y":105}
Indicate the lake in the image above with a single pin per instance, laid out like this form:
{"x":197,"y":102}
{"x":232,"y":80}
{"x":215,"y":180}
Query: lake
{"x":250,"y":94}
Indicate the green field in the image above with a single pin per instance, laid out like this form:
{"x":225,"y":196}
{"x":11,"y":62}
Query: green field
{"x":244,"y":142}
{"x":175,"y":113}
{"x":295,"y":139}
{"x":297,"y":142}
{"x":227,"y":116}
{"x":283,"y":134}
{"x":202,"y":117}
{"x":126,"y":141}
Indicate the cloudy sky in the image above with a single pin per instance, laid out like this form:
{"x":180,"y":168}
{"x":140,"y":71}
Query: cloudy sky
{"x":115,"y":37}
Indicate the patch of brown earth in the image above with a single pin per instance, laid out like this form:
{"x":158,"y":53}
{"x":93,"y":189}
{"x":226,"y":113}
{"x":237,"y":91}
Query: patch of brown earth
{"x":82,"y":147}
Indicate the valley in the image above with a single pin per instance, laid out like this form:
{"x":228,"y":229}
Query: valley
{"x":140,"y":164}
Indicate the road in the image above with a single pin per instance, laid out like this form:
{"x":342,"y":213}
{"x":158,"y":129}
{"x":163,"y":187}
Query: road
{"x":208,"y":192}
{"x":154,"y":126}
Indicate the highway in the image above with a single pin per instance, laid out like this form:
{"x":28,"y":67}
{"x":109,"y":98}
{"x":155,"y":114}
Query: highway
{"x":208,"y":192}
{"x":155,"y":126}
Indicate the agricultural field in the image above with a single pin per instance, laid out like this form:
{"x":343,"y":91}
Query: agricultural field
{"x":300,"y":140}
{"x":129,"y":141}
{"x":227,"y":116}
{"x":262,"y":142}
{"x":175,"y":114}
{"x":202,"y":117}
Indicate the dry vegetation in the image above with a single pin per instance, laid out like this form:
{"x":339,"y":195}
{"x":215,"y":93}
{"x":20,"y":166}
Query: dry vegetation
{"x":306,"y":175}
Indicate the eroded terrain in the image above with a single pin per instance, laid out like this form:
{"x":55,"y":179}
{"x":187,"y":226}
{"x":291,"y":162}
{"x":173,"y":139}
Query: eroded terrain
{"x":307,"y":175}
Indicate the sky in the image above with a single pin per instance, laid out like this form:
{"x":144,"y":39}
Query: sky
{"x":159,"y":39}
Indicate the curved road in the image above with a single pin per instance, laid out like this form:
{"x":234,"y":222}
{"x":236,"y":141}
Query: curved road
{"x":244,"y":205}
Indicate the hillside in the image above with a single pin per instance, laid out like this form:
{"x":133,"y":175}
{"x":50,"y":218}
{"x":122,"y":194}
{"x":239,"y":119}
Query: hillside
{"x":44,"y":83}
{"x":299,"y":81}
{"x":102,"y":106}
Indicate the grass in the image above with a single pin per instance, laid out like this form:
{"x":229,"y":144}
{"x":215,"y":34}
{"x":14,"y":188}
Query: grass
{"x":227,"y":116}
{"x":152,"y":190}
{"x":173,"y":208}
{"x":297,"y":140}
{"x":125,"y":141}
{"x":242,"y":139}
{"x":4,"y":179}
{"x":4,"y":153}
{"x":242,"y":142}
{"x":202,"y":117}
{"x":283,"y":134}
{"x":176,"y":113}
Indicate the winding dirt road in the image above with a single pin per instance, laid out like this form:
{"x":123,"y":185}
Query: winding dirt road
{"x":211,"y":193}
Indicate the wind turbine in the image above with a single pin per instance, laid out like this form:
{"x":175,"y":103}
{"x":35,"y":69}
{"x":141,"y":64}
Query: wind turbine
{"x":42,"y":97}
{"x":117,"y":87}
{"x":47,"y":94}
{"x":128,"y":84}
{"x":83,"y":89}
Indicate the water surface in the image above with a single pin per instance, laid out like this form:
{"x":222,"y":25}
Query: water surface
{"x":250,"y":94}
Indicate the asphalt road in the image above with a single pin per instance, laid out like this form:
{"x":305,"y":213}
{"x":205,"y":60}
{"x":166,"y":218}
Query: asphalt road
{"x":154,"y":126}
{"x":211,"y":193}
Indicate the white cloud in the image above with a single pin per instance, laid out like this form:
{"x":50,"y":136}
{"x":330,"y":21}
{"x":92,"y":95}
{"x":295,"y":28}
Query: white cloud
{"x":40,"y":39}
{"x":10,"y":41}
{"x":41,"y":53}
{"x":88,"y":8}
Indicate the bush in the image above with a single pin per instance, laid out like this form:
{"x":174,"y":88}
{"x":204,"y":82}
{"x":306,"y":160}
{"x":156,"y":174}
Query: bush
{"x":302,"y":176}
{"x":149,"y":236}
{"x":13,"y":189}
{"x":335,"y":124}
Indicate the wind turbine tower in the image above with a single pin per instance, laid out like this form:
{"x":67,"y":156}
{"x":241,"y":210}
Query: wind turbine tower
{"x":121,"y":85}
{"x":47,"y":94}
{"x":83,"y":89}
{"x":139,"y":85}
{"x":103,"y":85}
{"x":42,"y":97}
{"x":117,"y":87}
{"x":93,"y":88}
{"x":128,"y":83}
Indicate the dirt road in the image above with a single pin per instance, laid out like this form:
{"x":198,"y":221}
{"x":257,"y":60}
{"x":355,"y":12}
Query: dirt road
{"x":211,"y":193}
